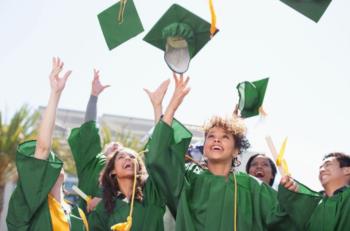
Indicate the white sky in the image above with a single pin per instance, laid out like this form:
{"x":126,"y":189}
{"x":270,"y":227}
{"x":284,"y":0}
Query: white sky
{"x":308,"y":64}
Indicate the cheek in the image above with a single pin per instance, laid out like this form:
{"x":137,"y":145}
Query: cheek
{"x":117,"y":166}
{"x":251,"y":170}
{"x":205,"y":148}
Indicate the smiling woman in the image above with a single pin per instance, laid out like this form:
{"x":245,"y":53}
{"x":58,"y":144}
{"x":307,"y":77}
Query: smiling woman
{"x":262,"y":167}
{"x":207,"y":197}
{"x":117,"y":178}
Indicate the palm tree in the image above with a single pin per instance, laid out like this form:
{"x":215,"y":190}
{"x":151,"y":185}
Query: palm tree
{"x":127,"y":138}
{"x":21,"y":127}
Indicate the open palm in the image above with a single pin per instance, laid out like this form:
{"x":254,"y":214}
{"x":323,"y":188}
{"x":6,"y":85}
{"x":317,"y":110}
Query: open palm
{"x":157,"y":96}
{"x":97,"y":87}
{"x":58,"y":82}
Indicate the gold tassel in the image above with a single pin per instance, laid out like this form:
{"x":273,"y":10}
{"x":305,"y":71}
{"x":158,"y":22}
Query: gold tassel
{"x":121,"y":11}
{"x":213,"y":19}
{"x":235,"y":205}
{"x":126,"y":226}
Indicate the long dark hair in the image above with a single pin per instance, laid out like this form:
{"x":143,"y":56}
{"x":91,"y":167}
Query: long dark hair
{"x":110,"y":184}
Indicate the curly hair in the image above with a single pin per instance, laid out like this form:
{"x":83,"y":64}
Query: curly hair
{"x":234,"y":126}
{"x":109,"y":180}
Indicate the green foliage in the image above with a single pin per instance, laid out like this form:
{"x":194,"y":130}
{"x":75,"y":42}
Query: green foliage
{"x":127,"y":138}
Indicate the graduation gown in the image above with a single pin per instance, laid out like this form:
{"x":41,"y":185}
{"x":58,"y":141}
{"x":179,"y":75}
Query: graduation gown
{"x":312,"y":211}
{"x":85,"y":145}
{"x":86,"y":148}
{"x":28,"y":207}
{"x":203,"y":201}
{"x":147,"y":215}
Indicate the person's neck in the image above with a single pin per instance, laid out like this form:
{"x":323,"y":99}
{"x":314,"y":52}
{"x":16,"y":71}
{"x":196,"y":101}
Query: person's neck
{"x":331,"y":187}
{"x":57,"y":191}
{"x":220,"y":168}
{"x":125,"y":186}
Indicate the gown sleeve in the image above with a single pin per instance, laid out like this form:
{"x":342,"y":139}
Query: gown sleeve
{"x":85,"y":145}
{"x":36,"y":177}
{"x":299,"y":205}
{"x":165,"y":160}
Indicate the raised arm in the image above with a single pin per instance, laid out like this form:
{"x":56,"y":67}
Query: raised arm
{"x":167,"y":147}
{"x":96,"y":89}
{"x":157,"y":97}
{"x":47,"y":124}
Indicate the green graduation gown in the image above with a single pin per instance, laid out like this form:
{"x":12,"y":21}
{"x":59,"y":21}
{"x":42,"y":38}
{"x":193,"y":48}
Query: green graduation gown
{"x":147,"y":215}
{"x":85,"y":145}
{"x":312,"y":211}
{"x":86,"y":149}
{"x":28,"y":208}
{"x":203,"y":201}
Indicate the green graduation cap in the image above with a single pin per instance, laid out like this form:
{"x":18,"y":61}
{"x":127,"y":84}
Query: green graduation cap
{"x":181,"y":34}
{"x":251,"y":97}
{"x":120,"y":23}
{"x":313,"y":9}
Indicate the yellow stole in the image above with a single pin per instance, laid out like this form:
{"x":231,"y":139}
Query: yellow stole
{"x":58,"y":218}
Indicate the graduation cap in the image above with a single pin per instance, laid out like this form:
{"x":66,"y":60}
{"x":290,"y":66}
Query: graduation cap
{"x":251,"y":97}
{"x":313,"y":9}
{"x":120,"y":23}
{"x":181,"y":34}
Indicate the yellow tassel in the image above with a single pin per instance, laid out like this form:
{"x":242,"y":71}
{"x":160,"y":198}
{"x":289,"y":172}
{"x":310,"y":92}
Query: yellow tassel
{"x":126,"y":226}
{"x":213,"y":19}
{"x":280,"y":161}
{"x":121,"y":11}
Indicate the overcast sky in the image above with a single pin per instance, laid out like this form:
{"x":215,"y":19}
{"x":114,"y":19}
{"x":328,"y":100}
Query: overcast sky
{"x":308,"y":64}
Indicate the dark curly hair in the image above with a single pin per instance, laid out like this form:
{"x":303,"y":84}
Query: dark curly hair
{"x":272,"y":164}
{"x":110,"y":185}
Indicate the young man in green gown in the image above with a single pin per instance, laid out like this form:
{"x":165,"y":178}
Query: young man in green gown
{"x":327,"y":210}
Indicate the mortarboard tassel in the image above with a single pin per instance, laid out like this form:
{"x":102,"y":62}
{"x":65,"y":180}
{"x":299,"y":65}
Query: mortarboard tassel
{"x":126,"y":226}
{"x":121,"y":11}
{"x":213,"y":19}
{"x":235,"y":205}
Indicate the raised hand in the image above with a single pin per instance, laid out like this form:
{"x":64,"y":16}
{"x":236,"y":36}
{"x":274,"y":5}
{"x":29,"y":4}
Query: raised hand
{"x":92,"y":204}
{"x":181,"y":90}
{"x":57,"y":82}
{"x":97,"y":87}
{"x":157,"y":97}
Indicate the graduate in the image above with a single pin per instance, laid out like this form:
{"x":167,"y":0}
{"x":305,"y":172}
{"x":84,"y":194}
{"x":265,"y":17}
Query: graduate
{"x":262,"y":167}
{"x":327,"y":210}
{"x":211,"y":197}
{"x":85,"y":145}
{"x":117,"y":173}
{"x":37,"y":203}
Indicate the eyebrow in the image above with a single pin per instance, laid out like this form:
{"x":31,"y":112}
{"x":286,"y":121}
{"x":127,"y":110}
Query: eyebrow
{"x":326,"y":162}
